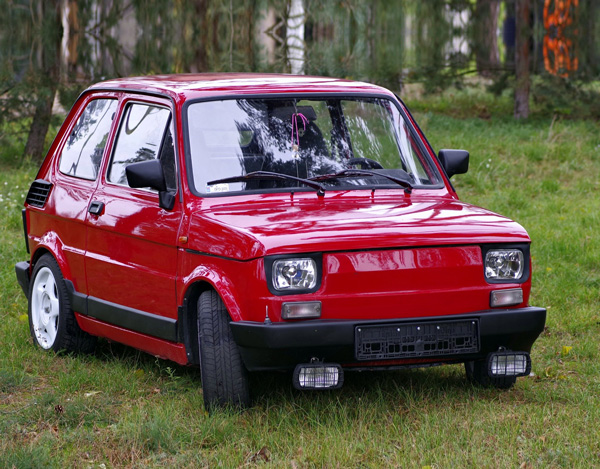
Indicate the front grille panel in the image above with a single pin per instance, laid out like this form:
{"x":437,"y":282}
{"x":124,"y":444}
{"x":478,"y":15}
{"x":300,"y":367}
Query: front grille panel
{"x":416,"y":340}
{"x":38,"y":193}
{"x":399,"y":284}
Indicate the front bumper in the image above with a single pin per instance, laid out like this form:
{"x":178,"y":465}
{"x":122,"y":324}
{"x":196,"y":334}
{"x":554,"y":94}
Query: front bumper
{"x":283,"y":345}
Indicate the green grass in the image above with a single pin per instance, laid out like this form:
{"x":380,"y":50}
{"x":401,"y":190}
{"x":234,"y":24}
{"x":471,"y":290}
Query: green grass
{"x":123,"y":408}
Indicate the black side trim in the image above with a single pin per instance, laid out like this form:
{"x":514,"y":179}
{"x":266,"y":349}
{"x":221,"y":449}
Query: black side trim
{"x":22,"y":272}
{"x":133,"y":319}
{"x":38,"y":193}
{"x":122,"y":316}
{"x":24,"y":216}
{"x":78,"y":300}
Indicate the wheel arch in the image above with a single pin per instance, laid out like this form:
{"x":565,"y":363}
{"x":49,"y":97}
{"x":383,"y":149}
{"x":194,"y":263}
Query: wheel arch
{"x":203,"y":277}
{"x":51,"y":244}
{"x":188,"y":318}
{"x":39,"y":253}
{"x":24,"y":270}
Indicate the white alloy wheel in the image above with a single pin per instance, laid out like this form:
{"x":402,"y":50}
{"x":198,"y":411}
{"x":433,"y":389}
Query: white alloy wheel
{"x":52,"y":322}
{"x":45,"y":308}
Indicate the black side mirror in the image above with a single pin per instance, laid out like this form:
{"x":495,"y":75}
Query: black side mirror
{"x":146,"y":174}
{"x":150,"y":174}
{"x":454,"y":161}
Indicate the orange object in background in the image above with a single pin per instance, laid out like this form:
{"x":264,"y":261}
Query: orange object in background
{"x":560,"y":57}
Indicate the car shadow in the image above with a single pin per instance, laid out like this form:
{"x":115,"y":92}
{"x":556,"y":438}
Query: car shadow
{"x":273,"y":389}
{"x":439,"y":384}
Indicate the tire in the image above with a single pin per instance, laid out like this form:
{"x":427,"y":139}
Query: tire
{"x":224,"y":376}
{"x":52,"y":322}
{"x":477,"y":373}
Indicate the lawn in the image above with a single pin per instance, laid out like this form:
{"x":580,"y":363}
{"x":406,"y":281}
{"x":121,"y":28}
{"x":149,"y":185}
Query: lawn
{"x":123,"y":408}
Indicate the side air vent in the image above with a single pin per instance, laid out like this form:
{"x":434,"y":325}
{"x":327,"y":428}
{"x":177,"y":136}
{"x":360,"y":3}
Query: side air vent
{"x":38,"y":193}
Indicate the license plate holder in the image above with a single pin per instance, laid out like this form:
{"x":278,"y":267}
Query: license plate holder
{"x":416,"y":340}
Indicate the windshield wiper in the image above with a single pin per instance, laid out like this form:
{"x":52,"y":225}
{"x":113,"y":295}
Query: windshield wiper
{"x":269,"y":175}
{"x":348,"y":173}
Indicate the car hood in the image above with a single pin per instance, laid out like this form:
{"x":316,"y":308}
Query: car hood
{"x":253,"y":228}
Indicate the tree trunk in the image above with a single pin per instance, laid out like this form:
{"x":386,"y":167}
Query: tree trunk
{"x":509,"y":34}
{"x":522,"y":58}
{"x":47,"y":83}
{"x":295,"y":37}
{"x":34,"y":148}
{"x":487,"y":56}
{"x":201,"y":28}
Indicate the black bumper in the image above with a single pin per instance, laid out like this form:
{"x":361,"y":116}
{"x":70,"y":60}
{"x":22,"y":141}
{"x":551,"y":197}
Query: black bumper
{"x":22,"y":271}
{"x":284,"y":345}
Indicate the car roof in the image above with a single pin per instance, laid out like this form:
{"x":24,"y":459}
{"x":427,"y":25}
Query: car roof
{"x":183,"y":87}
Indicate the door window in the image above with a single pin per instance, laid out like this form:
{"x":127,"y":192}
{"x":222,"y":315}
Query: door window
{"x":83,"y":151}
{"x":145,"y":134}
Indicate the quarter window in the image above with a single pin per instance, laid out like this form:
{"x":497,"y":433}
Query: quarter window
{"x":145,"y":134}
{"x":83,"y":151}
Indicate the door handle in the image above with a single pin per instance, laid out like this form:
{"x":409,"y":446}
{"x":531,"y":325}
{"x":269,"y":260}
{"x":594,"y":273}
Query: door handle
{"x":96,"y":208}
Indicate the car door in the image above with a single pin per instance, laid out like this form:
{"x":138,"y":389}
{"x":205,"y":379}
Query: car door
{"x":75,"y":180}
{"x":131,"y":256}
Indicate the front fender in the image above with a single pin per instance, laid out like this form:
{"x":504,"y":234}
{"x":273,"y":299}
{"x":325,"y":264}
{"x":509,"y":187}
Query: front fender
{"x":219,"y":282}
{"x":231,"y":279}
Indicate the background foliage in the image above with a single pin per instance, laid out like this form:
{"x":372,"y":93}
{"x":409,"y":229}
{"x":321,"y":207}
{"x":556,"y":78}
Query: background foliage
{"x":51,"y":50}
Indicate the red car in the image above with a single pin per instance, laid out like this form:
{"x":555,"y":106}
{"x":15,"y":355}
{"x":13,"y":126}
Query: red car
{"x":245,"y":222}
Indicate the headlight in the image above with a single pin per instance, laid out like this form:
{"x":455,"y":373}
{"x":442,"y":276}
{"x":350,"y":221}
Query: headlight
{"x":504,"y":264}
{"x":294,"y":274}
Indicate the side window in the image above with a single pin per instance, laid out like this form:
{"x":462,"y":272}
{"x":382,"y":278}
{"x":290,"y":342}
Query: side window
{"x":83,"y":151}
{"x":145,"y":134}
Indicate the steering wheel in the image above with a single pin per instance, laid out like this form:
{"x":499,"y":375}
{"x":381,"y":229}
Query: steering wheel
{"x":365,"y":163}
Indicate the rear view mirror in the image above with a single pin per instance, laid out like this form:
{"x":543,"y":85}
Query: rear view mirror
{"x":146,"y":174}
{"x":150,"y":174}
{"x":454,"y":161}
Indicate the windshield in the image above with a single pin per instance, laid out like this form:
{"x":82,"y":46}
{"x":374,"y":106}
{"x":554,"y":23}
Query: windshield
{"x":304,"y":138}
